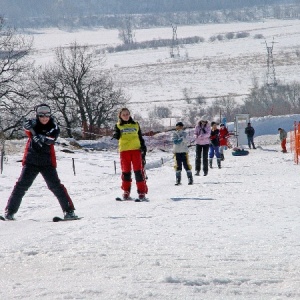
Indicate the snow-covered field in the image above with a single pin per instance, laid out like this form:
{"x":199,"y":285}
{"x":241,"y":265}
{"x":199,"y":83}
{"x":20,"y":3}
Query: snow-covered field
{"x":232,"y":235}
{"x":210,"y":69}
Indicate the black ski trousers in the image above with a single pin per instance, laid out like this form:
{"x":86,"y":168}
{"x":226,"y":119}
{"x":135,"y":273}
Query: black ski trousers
{"x":201,"y":154}
{"x":28,"y":174}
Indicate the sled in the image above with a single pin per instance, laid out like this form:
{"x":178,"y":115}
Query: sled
{"x":239,"y":152}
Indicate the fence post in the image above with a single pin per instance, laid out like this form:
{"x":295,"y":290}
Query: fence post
{"x":73,"y":164}
{"x":2,"y":160}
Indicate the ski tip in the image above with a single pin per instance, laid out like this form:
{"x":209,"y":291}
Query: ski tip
{"x":59,"y":219}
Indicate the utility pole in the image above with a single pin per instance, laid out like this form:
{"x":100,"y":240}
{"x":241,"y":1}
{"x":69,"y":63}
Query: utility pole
{"x":271,"y":77}
{"x":174,"y":45}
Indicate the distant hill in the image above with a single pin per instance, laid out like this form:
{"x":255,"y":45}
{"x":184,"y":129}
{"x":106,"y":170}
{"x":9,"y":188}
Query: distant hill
{"x":89,"y":13}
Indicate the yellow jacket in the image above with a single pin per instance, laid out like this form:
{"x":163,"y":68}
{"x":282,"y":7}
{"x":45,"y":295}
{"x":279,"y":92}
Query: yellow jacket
{"x":128,"y":136}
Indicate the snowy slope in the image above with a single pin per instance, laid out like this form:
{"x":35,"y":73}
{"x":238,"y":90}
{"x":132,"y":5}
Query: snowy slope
{"x":232,"y":235}
{"x":210,"y":69}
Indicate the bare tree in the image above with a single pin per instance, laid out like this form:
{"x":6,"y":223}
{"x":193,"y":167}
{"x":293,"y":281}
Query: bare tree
{"x":78,"y":89}
{"x":14,"y":67}
{"x":228,"y":107}
{"x":125,"y":33}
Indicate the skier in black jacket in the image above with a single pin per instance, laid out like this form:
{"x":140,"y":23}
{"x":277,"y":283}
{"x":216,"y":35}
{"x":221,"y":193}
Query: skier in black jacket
{"x":39,"y":157}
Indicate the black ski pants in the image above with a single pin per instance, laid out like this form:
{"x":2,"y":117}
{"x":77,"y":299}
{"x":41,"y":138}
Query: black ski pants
{"x":201,"y":155}
{"x":28,"y":174}
{"x":182,"y":159}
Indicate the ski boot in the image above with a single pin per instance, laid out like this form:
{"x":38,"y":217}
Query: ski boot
{"x":70,"y":214}
{"x":219,"y":163}
{"x":126,"y":196}
{"x":178,"y":178}
{"x":190,"y":177}
{"x":9,"y":216}
{"x":210,"y":163}
{"x":197,"y":173}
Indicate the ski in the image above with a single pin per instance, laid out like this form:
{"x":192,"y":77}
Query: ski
{"x":59,"y":219}
{"x":141,"y":200}
{"x":2,"y":218}
{"x":122,"y":199}
{"x":131,"y":199}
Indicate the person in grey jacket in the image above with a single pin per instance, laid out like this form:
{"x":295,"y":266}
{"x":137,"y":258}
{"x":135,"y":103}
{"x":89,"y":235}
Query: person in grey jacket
{"x":282,"y":136}
{"x":180,"y":150}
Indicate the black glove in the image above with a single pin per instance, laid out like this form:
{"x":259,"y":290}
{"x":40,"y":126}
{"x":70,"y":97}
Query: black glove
{"x":28,"y":124}
{"x":143,"y":159}
{"x":144,"y":150}
{"x":49,"y":141}
{"x":39,"y":139}
{"x":203,"y":130}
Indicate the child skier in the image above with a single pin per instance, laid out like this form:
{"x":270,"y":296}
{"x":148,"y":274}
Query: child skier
{"x":180,"y":149}
{"x":282,"y":137}
{"x":214,"y":145}
{"x":132,"y":150}
{"x":39,"y":157}
{"x":224,"y":134}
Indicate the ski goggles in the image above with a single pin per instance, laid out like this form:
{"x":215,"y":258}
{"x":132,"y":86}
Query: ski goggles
{"x":46,"y":115}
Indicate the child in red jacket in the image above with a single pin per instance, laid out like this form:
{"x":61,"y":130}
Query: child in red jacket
{"x":223,"y":136}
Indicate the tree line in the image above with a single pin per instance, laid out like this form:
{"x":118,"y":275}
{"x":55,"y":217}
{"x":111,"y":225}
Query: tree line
{"x":110,"y":14}
{"x":262,"y":100}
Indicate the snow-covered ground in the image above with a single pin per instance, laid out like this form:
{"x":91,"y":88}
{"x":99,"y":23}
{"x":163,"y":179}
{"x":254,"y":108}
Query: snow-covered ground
{"x":232,"y":235}
{"x":209,"y":69}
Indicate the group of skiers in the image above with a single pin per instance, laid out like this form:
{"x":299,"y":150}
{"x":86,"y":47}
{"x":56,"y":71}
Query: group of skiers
{"x":210,"y":142}
{"x":39,"y":156}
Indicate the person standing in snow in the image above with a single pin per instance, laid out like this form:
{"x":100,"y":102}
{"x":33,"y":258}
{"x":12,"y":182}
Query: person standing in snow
{"x":202,"y":140}
{"x":250,"y":131}
{"x":214,"y":145}
{"x":181,"y":155}
{"x":39,"y":157}
{"x":132,"y":150}
{"x":282,"y":137}
{"x":224,"y":134}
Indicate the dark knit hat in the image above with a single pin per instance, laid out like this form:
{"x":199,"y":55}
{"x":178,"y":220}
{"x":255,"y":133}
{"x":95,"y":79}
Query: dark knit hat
{"x":179,"y":124}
